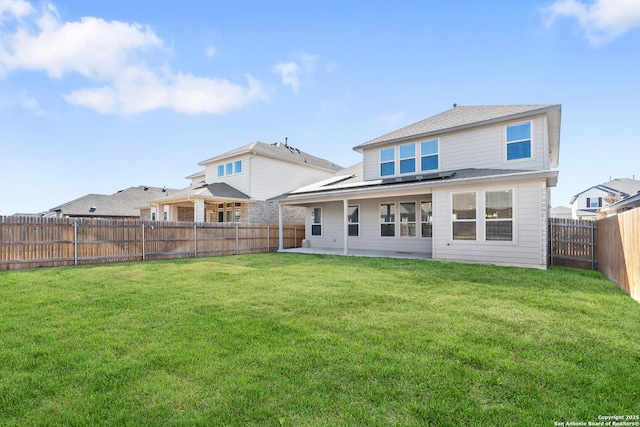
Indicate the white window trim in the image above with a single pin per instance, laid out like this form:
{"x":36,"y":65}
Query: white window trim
{"x":395,"y":220}
{"x":512,"y":219}
{"x":414,"y":157}
{"x":481,"y":220}
{"x":506,"y":143}
{"x":359,"y":223}
{"x":476,"y":220}
{"x":416,"y":221}
{"x":429,"y":155}
{"x":417,"y":158}
{"x":312,"y":218}
{"x":394,"y":161}
{"x":420,"y":221}
{"x":224,"y":166}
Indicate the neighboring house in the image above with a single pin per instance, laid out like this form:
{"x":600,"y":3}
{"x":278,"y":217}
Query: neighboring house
{"x":122,"y":205}
{"x":589,"y":203}
{"x":234,"y":186}
{"x":560,"y":212}
{"x":631,"y":202}
{"x":469,"y":184}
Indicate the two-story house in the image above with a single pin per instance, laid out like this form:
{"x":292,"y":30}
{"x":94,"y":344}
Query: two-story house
{"x":121,"y":205}
{"x":590,"y":202}
{"x":234,"y":186}
{"x":469,"y":184}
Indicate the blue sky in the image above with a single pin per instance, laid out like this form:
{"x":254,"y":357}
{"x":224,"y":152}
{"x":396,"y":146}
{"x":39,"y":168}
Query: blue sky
{"x":96,"y":97}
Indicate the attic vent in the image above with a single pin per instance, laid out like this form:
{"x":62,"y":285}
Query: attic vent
{"x":146,"y":188}
{"x":92,"y":209}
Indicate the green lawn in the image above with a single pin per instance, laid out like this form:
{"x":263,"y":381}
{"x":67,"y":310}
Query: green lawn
{"x":294,"y":340}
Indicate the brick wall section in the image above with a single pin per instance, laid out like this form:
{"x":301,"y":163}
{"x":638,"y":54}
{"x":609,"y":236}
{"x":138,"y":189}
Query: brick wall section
{"x":267,"y":213}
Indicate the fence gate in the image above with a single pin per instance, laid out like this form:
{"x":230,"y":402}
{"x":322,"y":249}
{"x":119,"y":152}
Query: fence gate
{"x":572,"y":243}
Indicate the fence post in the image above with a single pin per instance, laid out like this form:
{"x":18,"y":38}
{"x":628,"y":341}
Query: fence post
{"x":237,"y":240}
{"x":551,"y":239}
{"x":195,"y":240}
{"x":593,"y":245}
{"x":75,"y":242}
{"x":143,"y":251}
{"x":268,"y":238}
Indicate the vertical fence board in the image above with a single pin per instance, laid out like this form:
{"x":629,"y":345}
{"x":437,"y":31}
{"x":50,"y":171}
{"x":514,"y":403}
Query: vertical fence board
{"x":572,"y":243}
{"x":619,"y":249}
{"x":30,"y":242}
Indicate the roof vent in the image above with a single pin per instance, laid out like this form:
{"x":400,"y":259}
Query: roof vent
{"x":146,"y":188}
{"x":92,"y":209}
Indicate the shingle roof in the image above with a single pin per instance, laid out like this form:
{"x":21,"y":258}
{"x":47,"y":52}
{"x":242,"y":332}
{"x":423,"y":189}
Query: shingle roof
{"x":218,"y":190}
{"x":353,"y":180}
{"x":121,"y":204}
{"x":460,"y":117}
{"x":277,"y":151}
{"x":624,"y":185}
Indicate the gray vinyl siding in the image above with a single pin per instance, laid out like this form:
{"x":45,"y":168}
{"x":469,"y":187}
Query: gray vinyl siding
{"x":240,"y":181}
{"x":263,"y":177}
{"x":481,"y":147}
{"x":271,"y":177}
{"x":530,"y":215}
{"x":369,"y":227}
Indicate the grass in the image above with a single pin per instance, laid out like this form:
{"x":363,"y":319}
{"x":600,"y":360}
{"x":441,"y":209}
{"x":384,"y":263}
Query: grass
{"x":285,"y":339}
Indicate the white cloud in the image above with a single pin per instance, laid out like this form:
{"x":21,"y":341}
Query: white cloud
{"x":601,"y":21}
{"x":31,"y":104}
{"x":210,"y":52}
{"x":289,"y":73}
{"x":14,"y":9}
{"x":128,"y":61}
{"x":292,"y":72}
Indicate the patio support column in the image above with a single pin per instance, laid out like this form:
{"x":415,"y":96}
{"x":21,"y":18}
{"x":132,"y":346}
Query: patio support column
{"x":345,"y":208}
{"x":198,"y":210}
{"x":280,"y":230}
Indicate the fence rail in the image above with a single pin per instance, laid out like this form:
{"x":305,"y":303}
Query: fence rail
{"x":572,"y":243}
{"x":29,"y":242}
{"x":610,"y":245}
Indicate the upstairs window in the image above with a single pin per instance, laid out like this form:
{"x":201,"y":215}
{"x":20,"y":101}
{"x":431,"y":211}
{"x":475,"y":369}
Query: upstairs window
{"x":387,"y":161}
{"x":594,"y":202}
{"x":230,"y":168}
{"x":429,"y":155}
{"x":408,"y":158}
{"x":519,"y":141}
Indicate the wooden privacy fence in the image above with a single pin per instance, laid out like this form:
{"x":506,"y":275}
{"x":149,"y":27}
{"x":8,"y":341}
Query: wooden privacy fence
{"x":618,"y":250}
{"x":610,"y":245}
{"x":572,"y":243}
{"x":29,"y":242}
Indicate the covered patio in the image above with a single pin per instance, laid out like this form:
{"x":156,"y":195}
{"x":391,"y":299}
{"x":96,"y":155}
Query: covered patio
{"x":359,"y":252}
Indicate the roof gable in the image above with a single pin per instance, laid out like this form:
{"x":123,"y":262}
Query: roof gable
{"x":277,"y":151}
{"x":122,"y":203}
{"x":460,"y":117}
